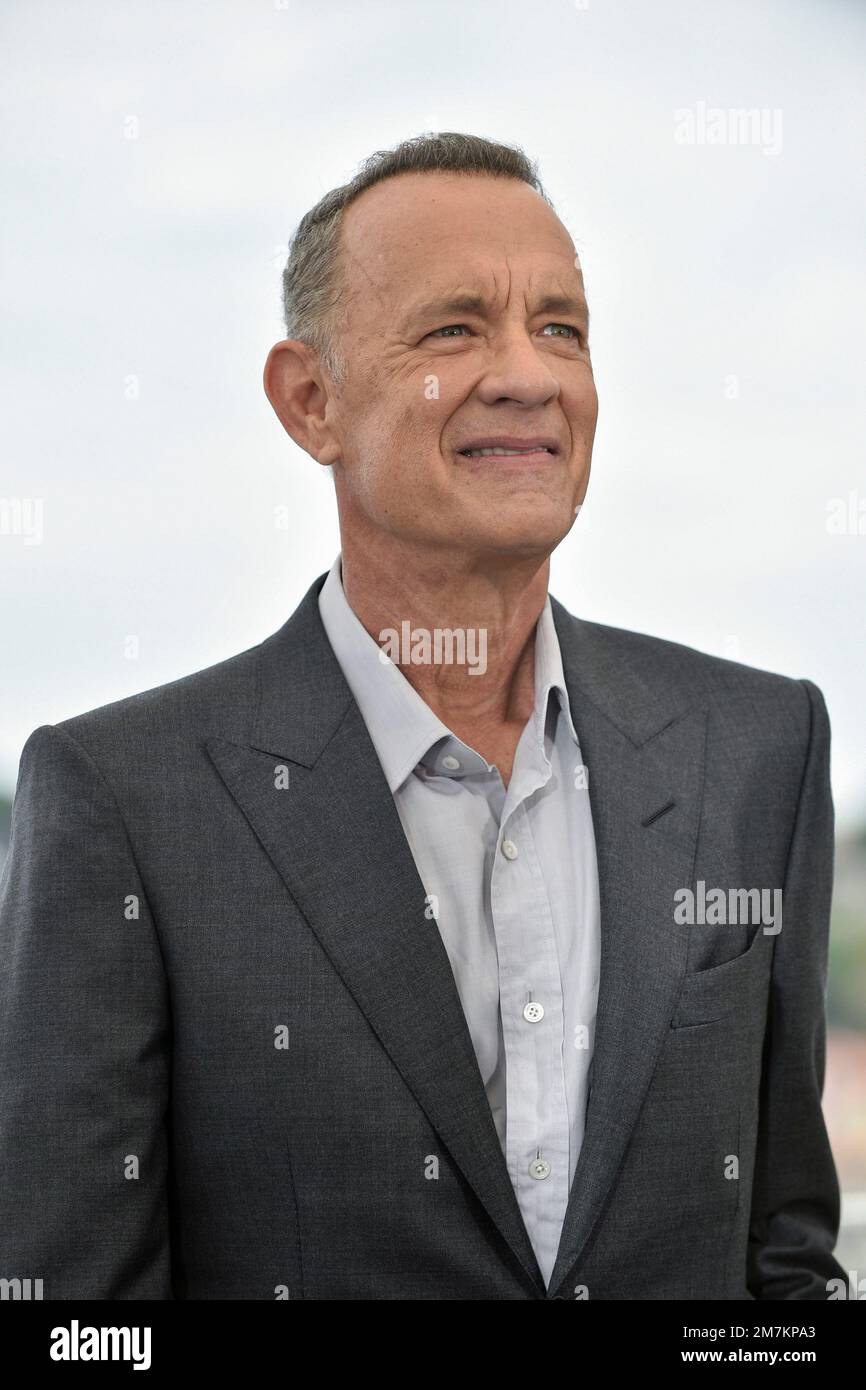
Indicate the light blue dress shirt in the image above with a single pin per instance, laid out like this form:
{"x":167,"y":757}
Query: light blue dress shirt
{"x":511,"y":878}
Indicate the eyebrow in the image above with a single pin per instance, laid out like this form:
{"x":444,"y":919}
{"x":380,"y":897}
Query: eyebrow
{"x":475,"y":304}
{"x":564,"y":304}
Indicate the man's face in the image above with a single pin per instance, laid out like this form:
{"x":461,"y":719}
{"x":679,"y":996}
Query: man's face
{"x":465,"y":327}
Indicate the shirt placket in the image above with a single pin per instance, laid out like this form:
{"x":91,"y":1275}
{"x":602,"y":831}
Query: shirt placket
{"x":537,"y":1132}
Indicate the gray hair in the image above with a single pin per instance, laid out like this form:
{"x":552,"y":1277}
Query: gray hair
{"x":312,"y":282}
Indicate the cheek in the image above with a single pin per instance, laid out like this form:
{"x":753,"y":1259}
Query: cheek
{"x":396,"y":451}
{"x":393,"y":428}
{"x":416,"y":427}
{"x":581,"y":409}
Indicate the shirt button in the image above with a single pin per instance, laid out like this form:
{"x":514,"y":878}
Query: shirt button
{"x":451,"y":762}
{"x":534,"y":1012}
{"x":539,"y":1168}
{"x":509,"y":849}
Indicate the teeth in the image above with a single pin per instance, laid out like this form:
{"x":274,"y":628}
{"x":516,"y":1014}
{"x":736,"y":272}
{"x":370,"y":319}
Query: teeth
{"x":485,"y":453}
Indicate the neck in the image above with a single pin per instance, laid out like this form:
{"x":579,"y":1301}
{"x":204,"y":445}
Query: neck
{"x":494,"y":604}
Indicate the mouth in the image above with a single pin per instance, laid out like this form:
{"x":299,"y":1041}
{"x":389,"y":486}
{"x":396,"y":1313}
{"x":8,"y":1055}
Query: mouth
{"x":502,"y":450}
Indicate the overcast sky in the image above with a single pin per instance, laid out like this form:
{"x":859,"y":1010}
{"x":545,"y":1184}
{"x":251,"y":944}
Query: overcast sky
{"x":156,"y":159}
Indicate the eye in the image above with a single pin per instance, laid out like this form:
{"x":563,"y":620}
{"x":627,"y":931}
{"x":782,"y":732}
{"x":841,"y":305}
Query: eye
{"x":569,"y":328}
{"x":449,"y":329}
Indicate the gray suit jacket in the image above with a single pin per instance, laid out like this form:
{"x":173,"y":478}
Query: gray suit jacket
{"x":232,"y":1044}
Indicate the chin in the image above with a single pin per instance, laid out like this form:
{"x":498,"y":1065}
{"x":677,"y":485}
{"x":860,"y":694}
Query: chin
{"x":523,"y":541}
{"x":525,"y":525}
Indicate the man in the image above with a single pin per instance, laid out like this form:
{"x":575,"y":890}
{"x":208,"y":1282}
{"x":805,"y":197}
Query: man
{"x":432,"y":948}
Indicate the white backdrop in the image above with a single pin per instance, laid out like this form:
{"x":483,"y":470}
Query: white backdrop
{"x":156,"y":159}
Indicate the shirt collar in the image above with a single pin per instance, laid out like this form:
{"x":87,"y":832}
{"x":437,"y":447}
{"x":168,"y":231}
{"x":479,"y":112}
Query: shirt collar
{"x":402,"y":727}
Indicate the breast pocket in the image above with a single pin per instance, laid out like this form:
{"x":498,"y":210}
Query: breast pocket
{"x":736,"y":985}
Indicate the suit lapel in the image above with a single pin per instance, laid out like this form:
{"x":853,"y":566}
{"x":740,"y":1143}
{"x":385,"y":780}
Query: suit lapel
{"x":334,"y":835}
{"x":644,"y":760}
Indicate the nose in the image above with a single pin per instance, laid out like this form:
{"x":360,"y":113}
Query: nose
{"x":517,"y":371}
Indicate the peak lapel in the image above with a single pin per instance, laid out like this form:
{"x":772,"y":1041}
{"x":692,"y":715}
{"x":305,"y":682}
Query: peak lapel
{"x":335,"y":837}
{"x":644,"y":762}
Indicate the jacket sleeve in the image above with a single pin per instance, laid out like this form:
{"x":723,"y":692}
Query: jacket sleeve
{"x":84,"y":1042}
{"x":795,"y":1200}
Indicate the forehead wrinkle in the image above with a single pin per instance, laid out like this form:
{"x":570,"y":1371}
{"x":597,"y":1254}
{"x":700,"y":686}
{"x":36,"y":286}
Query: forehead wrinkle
{"x":559,"y":298}
{"x":473,"y":296}
{"x":509,"y":278}
{"x":353,"y":263}
{"x":478,"y":293}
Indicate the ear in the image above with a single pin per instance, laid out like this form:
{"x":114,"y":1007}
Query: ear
{"x":298,"y":390}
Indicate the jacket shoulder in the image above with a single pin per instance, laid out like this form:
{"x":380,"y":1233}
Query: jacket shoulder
{"x":677,"y":661}
{"x":219,"y":699}
{"x":682,"y":677}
